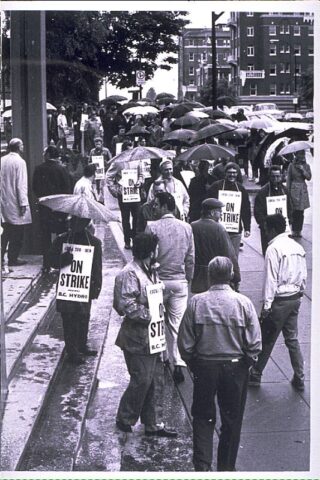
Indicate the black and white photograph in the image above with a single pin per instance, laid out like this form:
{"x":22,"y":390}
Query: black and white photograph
{"x":159,"y":225}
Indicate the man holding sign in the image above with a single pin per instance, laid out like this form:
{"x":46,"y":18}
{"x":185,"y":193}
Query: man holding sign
{"x":236,"y":214}
{"x":78,"y":255}
{"x":138,"y":298}
{"x":272,"y":198}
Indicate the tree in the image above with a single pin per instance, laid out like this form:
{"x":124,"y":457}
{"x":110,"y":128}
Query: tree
{"x":151,"y":94}
{"x":306,"y":90}
{"x":85,"y":47}
{"x":223,"y":90}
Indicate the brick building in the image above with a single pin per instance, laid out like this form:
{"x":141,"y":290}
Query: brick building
{"x":269,"y":52}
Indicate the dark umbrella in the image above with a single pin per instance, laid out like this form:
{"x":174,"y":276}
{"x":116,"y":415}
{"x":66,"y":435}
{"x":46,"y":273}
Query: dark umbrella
{"x":180,"y":110}
{"x":204,"y":122}
{"x":192,"y":103}
{"x":179,"y":137}
{"x":117,"y":98}
{"x":165,"y":100}
{"x":208,"y":151}
{"x":184,"y":122}
{"x":138,"y":130}
{"x":124,"y":107}
{"x":235,"y":135}
{"x":164,"y":94}
{"x":215,"y":113}
{"x":214,"y":130}
{"x":226,"y":100}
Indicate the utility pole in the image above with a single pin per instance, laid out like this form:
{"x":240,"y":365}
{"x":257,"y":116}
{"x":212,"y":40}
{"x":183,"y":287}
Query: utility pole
{"x":214,"y":18}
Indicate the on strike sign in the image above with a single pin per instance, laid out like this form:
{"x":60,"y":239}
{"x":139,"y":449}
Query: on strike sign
{"x":98,"y":160}
{"x":278,"y":204}
{"x":156,"y":329}
{"x":231,"y":210}
{"x":74,"y":279}
{"x":130,"y":193}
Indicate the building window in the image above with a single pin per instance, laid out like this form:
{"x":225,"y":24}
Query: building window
{"x":272,"y":30}
{"x":250,"y":51}
{"x":191,"y":41}
{"x":250,"y":31}
{"x":250,"y":67}
{"x":310,"y":51}
{"x":288,"y":67}
{"x":253,"y":89}
{"x":273,"y":69}
{"x":282,"y":67}
{"x":310,"y":30}
{"x":285,"y":48}
{"x":296,"y":30}
{"x":273,"y":89}
{"x":284,"y":29}
{"x":204,"y":56}
{"x":288,"y":90}
{"x":297,"y":69}
{"x":250,"y":14}
{"x":191,"y":57}
{"x":191,"y":70}
{"x":273,"y":49}
{"x":191,"y":81}
{"x":297,"y":50}
{"x":282,"y":89}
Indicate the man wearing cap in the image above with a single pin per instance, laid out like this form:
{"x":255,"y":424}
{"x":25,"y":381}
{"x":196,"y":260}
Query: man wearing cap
{"x":15,"y":208}
{"x":176,"y":259}
{"x":219,"y":339}
{"x":50,"y":178}
{"x":173,"y":186}
{"x":237,"y":213}
{"x":211,"y":240}
{"x":274,"y":188}
{"x":62,"y":127}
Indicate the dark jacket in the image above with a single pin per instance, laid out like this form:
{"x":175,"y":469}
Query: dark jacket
{"x":198,"y":192}
{"x":245,"y":213}
{"x":211,"y":240}
{"x":80,"y":238}
{"x":260,"y":203}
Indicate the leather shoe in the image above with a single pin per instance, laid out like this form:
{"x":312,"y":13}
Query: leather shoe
{"x":254,"y":381}
{"x":127,"y":246}
{"x":297,"y":384}
{"x":163,"y":432}
{"x":123,"y":427}
{"x":178,"y":374}
{"x":17,"y":263}
{"x":88,"y":352}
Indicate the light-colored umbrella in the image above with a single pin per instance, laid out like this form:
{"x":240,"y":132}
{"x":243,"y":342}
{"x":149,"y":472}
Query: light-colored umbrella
{"x":139,"y":153}
{"x":179,"y":137}
{"x":213,"y":130}
{"x":141,"y":110}
{"x":196,"y":114}
{"x":295,"y":147}
{"x":207,"y":151}
{"x":8,"y":113}
{"x":185,"y":122}
{"x":79,"y":206}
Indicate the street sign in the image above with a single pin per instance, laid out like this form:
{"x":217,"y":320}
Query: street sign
{"x":140,"y":77}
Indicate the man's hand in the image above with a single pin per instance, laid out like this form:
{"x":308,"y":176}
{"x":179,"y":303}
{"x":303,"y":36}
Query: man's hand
{"x":265,"y":312}
{"x":66,"y":259}
{"x":247,"y":234}
{"x":22,"y":211}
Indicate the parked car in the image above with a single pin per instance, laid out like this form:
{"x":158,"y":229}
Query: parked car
{"x":270,"y":108}
{"x":293,"y":117}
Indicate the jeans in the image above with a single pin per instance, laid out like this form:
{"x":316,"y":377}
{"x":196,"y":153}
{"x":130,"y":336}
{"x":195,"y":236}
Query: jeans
{"x":228,"y":381}
{"x":12,"y":237}
{"x":283,"y":318}
{"x":142,"y":397}
{"x":175,"y":303}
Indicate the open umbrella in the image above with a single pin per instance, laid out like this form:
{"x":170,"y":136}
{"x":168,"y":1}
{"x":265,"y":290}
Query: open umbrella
{"x":295,"y":147}
{"x":196,"y":114}
{"x":184,"y":122}
{"x":192,"y":103}
{"x":213,"y":130}
{"x":116,"y":98}
{"x":215,"y":113}
{"x":180,"y":110}
{"x":208,"y":151}
{"x":235,"y":135}
{"x":260,"y":124}
{"x":139,"y":153}
{"x":8,"y":113}
{"x":179,"y":137}
{"x":164,"y":94}
{"x":79,"y":206}
{"x":139,"y":110}
{"x":138,"y":130}
{"x":204,"y":122}
{"x":165,"y":100}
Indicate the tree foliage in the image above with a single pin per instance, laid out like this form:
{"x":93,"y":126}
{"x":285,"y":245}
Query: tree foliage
{"x":151,"y":94}
{"x":84,"y":47}
{"x":223,"y":90}
{"x":306,"y":90}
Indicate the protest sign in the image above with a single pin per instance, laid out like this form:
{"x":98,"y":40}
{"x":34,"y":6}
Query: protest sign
{"x":84,"y":119}
{"x":231,"y":211}
{"x":146,"y":167}
{"x":187,"y":175}
{"x":130,"y":193}
{"x":98,"y":160}
{"x":156,"y":327}
{"x":278,"y":204}
{"x":74,"y":279}
{"x":118,"y":147}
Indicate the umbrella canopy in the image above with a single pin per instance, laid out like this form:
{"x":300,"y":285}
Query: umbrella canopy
{"x":79,"y":206}
{"x":164,"y":94}
{"x":179,"y":137}
{"x":184,"y":122}
{"x":192,"y":103}
{"x":295,"y":147}
{"x":213,"y":130}
{"x":8,"y":113}
{"x":260,"y":124}
{"x":204,"y":122}
{"x":180,"y":110}
{"x":208,"y":151}
{"x":226,"y":121}
{"x":235,"y":135}
{"x":137,"y":130}
{"x":139,"y":153}
{"x":165,"y":100}
{"x":139,"y":110}
{"x":215,"y":113}
{"x":196,"y":114}
{"x":116,"y":98}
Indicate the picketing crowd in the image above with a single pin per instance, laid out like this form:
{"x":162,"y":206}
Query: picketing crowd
{"x":184,"y":209}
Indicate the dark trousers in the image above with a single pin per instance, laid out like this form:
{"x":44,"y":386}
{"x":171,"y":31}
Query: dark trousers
{"x":283,"y":318}
{"x":228,"y":381}
{"x":297,"y":220}
{"x":12,"y":237}
{"x":126,"y":210}
{"x":264,"y":240}
{"x":75,"y":331}
{"x":142,"y":397}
